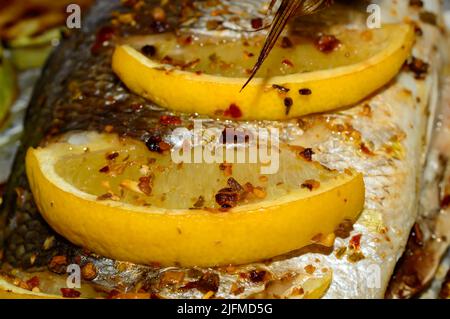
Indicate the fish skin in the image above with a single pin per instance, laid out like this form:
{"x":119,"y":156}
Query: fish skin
{"x":429,"y":240}
{"x":391,"y":182}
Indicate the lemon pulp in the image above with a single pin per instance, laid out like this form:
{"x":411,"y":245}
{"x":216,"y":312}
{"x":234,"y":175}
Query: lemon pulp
{"x":230,"y":57}
{"x":206,"y":76}
{"x":119,"y":168}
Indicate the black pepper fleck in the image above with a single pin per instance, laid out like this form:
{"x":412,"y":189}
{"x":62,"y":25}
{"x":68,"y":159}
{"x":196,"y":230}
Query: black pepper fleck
{"x":305,"y":92}
{"x":148,"y":50}
{"x":288,"y":104}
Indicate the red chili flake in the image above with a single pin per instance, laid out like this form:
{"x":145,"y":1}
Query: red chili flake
{"x":327,"y":43}
{"x":445,"y":291}
{"x":343,"y":229}
{"x":169,"y":120}
{"x":70,"y":293}
{"x":58,"y":264}
{"x":281,"y":89}
{"x":257,"y":23}
{"x":307,"y":154}
{"x":95,"y":49}
{"x":367,"y":110}
{"x":257,"y":276}
{"x":136,"y":106}
{"x":104,"y":169}
{"x":112,"y":156}
{"x":233,"y":111}
{"x":417,"y":234}
{"x":167,"y":60}
{"x":249,"y":187}
{"x":428,"y":17}
{"x":418,"y":31}
{"x":186,"y":40}
{"x":355,"y":242}
{"x":77,"y":259}
{"x":311,"y":184}
{"x":105,"y":196}
{"x":418,"y":67}
{"x":227,"y":198}
{"x":145,"y":185}
{"x":163,"y":146}
{"x":113,"y":293}
{"x":104,"y":34}
{"x":33,"y":282}
{"x":366,"y":150}
{"x":208,"y":282}
{"x":227,"y":168}
{"x":234,"y":185}
{"x":171,"y":278}
{"x":416,"y":3}
{"x":249,"y":54}
{"x":445,"y":203}
{"x":288,"y":63}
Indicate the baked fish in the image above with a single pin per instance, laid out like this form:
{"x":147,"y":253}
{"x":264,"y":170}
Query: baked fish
{"x":428,"y":242}
{"x":386,"y":137}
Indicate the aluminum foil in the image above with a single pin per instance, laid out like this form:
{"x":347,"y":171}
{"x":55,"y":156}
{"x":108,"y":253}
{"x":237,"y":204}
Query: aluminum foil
{"x":12,"y":129}
{"x":10,"y":134}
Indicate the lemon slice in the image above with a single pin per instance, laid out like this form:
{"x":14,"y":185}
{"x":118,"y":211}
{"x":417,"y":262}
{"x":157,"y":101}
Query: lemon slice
{"x":118,"y":199}
{"x":206,"y":76}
